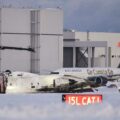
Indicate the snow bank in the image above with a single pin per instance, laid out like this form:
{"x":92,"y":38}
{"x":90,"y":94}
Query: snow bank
{"x":50,"y":107}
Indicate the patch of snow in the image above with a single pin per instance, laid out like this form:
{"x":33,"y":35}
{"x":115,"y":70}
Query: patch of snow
{"x":49,"y":106}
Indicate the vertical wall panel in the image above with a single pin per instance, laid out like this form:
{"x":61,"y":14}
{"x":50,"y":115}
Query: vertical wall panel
{"x":15,"y":33}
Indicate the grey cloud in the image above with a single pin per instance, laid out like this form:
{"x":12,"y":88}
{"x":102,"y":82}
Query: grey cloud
{"x":92,"y":15}
{"x":96,"y":15}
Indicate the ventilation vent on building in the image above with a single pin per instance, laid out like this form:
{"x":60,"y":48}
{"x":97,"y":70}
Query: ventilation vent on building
{"x":102,"y":55}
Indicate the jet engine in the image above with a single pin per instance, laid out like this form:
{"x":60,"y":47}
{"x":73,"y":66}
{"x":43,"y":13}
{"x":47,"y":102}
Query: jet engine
{"x":97,"y":81}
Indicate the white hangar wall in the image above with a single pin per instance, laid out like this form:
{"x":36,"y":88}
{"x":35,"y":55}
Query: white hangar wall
{"x":51,"y":58}
{"x":51,"y":21}
{"x":15,"y":59}
{"x":51,"y":36}
{"x":15,"y":20}
{"x":47,"y":32}
{"x":41,"y":30}
{"x":113,"y":40}
{"x":15,"y":26}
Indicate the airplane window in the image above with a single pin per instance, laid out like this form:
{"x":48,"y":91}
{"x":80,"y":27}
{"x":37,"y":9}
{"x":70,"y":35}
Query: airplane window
{"x":10,"y":84}
{"x":19,"y":74}
{"x":54,"y":73}
{"x":32,"y":86}
{"x":112,"y":56}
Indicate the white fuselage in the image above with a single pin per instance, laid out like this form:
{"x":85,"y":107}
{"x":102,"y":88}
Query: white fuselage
{"x":85,"y":72}
{"x":23,"y":82}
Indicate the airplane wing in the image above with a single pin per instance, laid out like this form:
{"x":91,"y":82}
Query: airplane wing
{"x":71,"y":84}
{"x":76,"y":84}
{"x":79,"y":84}
{"x":96,"y":81}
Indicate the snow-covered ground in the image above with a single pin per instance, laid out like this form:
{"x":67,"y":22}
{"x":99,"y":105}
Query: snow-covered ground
{"x":49,"y":106}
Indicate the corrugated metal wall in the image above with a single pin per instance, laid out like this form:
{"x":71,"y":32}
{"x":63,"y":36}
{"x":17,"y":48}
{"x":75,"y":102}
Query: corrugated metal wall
{"x":35,"y":41}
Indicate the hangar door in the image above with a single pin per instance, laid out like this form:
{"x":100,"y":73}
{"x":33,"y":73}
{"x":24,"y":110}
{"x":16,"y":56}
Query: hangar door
{"x":68,"y":57}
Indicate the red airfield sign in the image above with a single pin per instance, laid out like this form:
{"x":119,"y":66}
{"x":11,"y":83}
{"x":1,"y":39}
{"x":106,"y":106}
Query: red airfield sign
{"x":82,"y":99}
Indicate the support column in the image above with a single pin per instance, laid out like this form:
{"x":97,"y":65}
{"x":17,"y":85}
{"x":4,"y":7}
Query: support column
{"x":35,"y":41}
{"x":106,"y":56}
{"x":74,"y":56}
{"x":93,"y":56}
{"x":89,"y":56}
{"x":109,"y":56}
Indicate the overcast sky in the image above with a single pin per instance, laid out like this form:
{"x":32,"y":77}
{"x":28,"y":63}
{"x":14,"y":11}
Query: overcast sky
{"x":83,"y":15}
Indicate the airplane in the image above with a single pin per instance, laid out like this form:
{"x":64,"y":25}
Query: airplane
{"x":62,"y":80}
{"x":95,"y":77}
{"x":23,"y":82}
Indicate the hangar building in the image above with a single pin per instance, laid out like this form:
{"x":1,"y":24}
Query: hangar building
{"x":31,"y":39}
{"x":81,"y":53}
